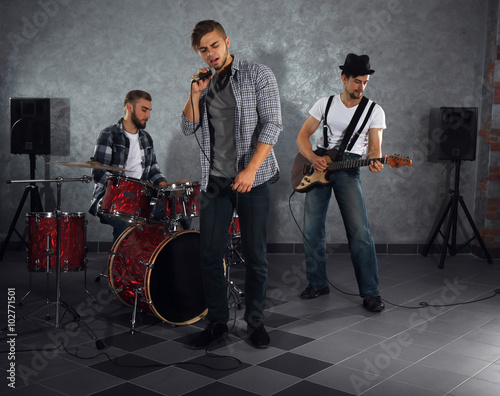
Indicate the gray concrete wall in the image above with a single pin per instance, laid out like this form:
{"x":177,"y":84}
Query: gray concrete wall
{"x":85,"y":55}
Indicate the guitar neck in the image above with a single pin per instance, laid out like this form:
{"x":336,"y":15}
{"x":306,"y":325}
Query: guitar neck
{"x":353,"y":163}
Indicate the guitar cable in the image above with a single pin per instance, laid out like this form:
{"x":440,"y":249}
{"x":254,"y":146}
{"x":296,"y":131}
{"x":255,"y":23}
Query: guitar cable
{"x":422,"y":304}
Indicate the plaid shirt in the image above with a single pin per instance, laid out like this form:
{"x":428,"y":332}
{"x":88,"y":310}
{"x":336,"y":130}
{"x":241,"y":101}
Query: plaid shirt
{"x":257,"y":119}
{"x":112,"y":149}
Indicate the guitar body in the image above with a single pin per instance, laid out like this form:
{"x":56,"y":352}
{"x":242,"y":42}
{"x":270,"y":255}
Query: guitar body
{"x":304,"y":178}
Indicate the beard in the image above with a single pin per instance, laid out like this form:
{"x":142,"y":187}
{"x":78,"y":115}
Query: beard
{"x":138,"y":123}
{"x":354,"y":94}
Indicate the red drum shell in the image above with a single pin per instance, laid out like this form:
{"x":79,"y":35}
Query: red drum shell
{"x":180,"y":201}
{"x":128,"y":199}
{"x":42,"y":236}
{"x":234,"y":227}
{"x":165,"y":267}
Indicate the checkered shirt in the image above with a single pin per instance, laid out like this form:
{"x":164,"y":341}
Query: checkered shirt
{"x":257,"y":119}
{"x":112,"y":149}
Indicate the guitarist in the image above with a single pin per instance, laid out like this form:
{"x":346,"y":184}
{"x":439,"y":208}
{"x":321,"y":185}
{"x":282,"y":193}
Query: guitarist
{"x":345,"y":183}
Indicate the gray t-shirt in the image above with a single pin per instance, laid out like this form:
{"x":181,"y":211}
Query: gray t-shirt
{"x":221,"y":110}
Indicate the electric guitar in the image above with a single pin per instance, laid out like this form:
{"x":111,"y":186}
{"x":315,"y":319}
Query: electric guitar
{"x":304,"y":178}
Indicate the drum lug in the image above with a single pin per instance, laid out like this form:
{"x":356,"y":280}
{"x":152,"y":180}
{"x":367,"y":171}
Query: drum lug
{"x":149,"y":265}
{"x":148,"y":302}
{"x":113,"y":253}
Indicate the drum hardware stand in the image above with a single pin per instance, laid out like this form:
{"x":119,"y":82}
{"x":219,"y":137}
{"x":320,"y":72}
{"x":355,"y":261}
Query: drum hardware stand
{"x":451,"y":227}
{"x":233,"y":257}
{"x":35,"y":205}
{"x":58,"y":303}
{"x":137,"y":291}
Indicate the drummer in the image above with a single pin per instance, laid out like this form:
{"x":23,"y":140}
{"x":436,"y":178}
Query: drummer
{"x":125,"y":145}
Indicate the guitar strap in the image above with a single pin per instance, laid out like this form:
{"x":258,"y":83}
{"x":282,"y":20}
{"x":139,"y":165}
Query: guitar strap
{"x":325,"y":126}
{"x":350,"y":128}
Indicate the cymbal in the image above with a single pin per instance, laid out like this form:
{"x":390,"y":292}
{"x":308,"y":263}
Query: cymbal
{"x":90,"y":164}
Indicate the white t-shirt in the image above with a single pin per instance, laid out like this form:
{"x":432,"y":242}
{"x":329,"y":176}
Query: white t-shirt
{"x":339,"y":118}
{"x":134,"y":159}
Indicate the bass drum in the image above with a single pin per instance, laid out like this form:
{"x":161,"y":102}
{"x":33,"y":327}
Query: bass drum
{"x":163,"y":268}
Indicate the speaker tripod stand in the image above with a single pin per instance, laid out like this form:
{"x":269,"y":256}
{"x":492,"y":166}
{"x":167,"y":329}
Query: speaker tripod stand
{"x":35,"y":204}
{"x":451,"y":227}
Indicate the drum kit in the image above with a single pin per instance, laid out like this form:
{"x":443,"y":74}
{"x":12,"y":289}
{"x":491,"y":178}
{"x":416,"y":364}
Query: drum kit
{"x":154,"y":265}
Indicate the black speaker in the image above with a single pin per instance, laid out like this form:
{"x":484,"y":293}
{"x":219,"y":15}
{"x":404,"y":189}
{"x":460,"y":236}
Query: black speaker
{"x":30,"y":126}
{"x":459,"y":126}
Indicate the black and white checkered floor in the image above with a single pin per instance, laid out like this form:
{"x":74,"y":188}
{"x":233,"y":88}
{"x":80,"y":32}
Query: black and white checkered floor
{"x":327,"y":346}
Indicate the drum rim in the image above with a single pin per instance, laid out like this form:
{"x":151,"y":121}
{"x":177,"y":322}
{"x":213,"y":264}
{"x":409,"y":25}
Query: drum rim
{"x":173,"y":186}
{"x":53,"y":214}
{"x":132,"y":179}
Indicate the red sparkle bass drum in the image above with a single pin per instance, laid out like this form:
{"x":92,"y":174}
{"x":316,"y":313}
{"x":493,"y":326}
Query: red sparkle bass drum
{"x":163,"y":268}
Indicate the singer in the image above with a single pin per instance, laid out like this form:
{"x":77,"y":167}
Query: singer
{"x":239,"y":112}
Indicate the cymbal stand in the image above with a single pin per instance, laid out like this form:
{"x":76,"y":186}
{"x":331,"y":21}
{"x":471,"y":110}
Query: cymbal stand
{"x":59,"y":180}
{"x":233,"y":257}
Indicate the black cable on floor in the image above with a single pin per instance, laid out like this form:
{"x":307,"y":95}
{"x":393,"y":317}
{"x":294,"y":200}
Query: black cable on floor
{"x":422,"y":304}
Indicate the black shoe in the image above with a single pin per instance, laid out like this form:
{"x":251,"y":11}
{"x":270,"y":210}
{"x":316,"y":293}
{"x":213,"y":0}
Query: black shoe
{"x":373,"y":304}
{"x":259,"y":336}
{"x":214,"y":332}
{"x":309,"y":292}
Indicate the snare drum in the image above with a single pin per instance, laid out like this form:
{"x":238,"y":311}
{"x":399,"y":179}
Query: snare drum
{"x":163,"y":269}
{"x":42,"y":235}
{"x":128,"y":199}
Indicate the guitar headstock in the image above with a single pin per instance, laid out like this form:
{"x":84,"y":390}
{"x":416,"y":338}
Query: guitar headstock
{"x":397,"y":160}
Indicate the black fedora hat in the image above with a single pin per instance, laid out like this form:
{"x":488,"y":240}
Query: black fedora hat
{"x":357,"y":64}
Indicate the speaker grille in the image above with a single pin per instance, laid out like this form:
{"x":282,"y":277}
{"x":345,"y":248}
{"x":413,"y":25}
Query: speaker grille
{"x":459,"y":126}
{"x":30,"y":126}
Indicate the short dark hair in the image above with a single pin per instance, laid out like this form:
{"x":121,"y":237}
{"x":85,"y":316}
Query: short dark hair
{"x":350,"y":74}
{"x":133,"y":96}
{"x":202,"y":28}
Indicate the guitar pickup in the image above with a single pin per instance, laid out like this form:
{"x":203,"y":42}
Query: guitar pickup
{"x":308,"y":169}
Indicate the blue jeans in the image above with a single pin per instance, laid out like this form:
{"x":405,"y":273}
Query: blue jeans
{"x":347,"y":189}
{"x":216,"y":211}
{"x":118,"y":225}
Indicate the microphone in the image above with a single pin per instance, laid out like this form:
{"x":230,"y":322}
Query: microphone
{"x":204,"y":76}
